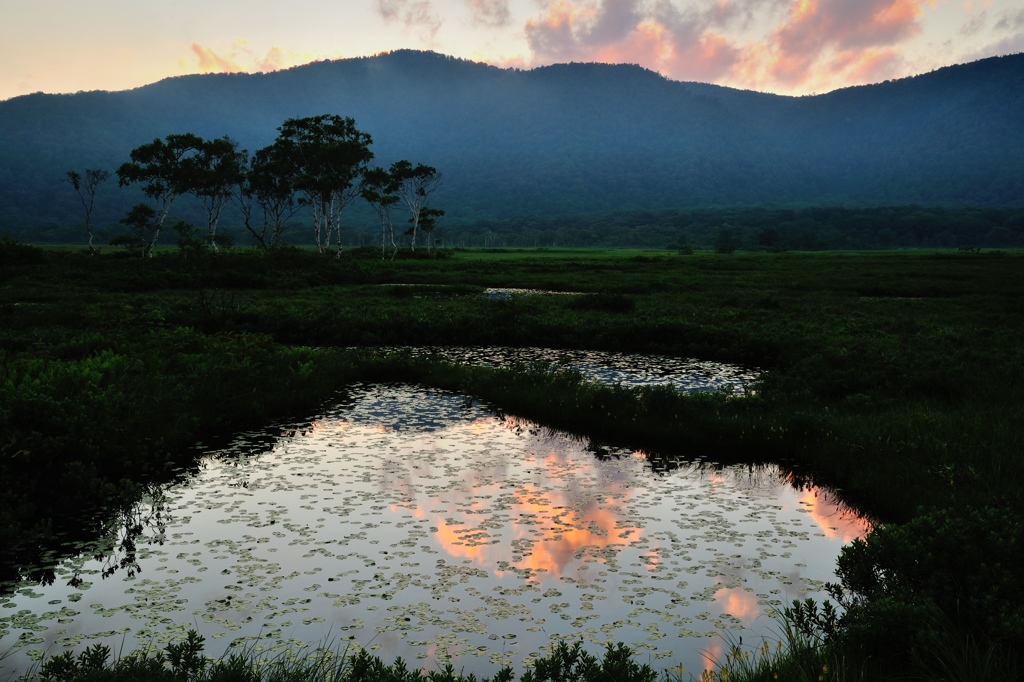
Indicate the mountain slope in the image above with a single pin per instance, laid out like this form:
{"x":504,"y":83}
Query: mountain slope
{"x":559,"y":139}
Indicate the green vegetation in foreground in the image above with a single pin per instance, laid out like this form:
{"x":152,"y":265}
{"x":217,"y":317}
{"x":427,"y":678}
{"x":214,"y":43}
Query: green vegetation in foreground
{"x":184,"y":662}
{"x":894,"y":376}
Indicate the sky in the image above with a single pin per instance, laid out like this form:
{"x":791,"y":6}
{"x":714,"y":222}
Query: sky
{"x":792,"y":47}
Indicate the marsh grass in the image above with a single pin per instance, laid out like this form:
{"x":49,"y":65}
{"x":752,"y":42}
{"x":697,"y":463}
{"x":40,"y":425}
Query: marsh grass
{"x":793,"y":657}
{"x":941,"y":651}
{"x":185,"y":661}
{"x":896,"y":377}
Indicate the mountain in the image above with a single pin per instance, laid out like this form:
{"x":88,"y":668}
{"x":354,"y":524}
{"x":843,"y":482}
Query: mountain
{"x":561,"y":139}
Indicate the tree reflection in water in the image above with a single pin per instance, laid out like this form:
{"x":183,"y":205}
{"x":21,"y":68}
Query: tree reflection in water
{"x":423,"y":521}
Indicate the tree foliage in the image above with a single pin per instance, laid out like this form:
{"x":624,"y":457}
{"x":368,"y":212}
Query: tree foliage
{"x":166,"y":170}
{"x":141,"y":222}
{"x":330,"y":156}
{"x":414,"y":185}
{"x":271,"y":184}
{"x":379,"y":191}
{"x":216,"y":170}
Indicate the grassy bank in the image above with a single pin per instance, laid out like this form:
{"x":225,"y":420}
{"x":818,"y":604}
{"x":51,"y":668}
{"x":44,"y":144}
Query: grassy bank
{"x":896,"y":377}
{"x":185,"y":661}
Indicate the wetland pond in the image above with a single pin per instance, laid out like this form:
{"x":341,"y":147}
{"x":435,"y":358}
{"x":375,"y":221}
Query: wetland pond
{"x":428,"y":525}
{"x":606,"y":367}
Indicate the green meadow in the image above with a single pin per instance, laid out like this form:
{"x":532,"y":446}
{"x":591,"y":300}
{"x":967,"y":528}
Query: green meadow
{"x":896,"y":377}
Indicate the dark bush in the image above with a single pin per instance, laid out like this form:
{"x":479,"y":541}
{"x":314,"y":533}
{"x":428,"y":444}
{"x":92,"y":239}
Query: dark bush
{"x":608,"y":303}
{"x":966,"y":562}
{"x":13,"y":252}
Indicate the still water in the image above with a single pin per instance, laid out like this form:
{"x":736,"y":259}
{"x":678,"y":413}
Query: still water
{"x":605,"y":367}
{"x":423,"y":524}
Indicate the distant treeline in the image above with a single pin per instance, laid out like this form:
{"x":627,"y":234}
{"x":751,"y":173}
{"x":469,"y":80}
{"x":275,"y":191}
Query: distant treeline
{"x":757,"y":229}
{"x":742,"y":228}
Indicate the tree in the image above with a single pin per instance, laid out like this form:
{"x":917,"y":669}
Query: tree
{"x":331,"y":156}
{"x":188,"y":241}
{"x":378,"y":190}
{"x":167,"y":170}
{"x":414,"y":186}
{"x":270,"y":182}
{"x":214,"y":172}
{"x":428,"y":221}
{"x":141,"y":220}
{"x":86,"y":189}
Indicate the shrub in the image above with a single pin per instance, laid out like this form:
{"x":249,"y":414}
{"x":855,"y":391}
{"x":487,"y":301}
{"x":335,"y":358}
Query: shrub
{"x":609,"y":303}
{"x":13,"y":252}
{"x":963,"y":562}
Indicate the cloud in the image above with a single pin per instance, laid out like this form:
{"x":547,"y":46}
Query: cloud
{"x":813,"y":44}
{"x":1013,"y":44}
{"x":614,"y":21}
{"x":390,"y":10}
{"x":694,"y":49}
{"x":211,"y":62}
{"x":869,"y":66}
{"x":682,"y":43}
{"x":414,"y":14}
{"x":492,"y":13}
{"x":1011,"y":22}
{"x":560,"y":34}
{"x":975,"y":24}
{"x":239,"y":58}
{"x":826,"y":40}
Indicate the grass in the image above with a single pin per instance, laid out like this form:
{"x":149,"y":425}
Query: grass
{"x":184,"y":661}
{"x":894,"y":376}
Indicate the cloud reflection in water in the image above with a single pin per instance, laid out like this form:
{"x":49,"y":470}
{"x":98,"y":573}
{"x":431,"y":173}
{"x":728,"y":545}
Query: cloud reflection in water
{"x":422,"y":525}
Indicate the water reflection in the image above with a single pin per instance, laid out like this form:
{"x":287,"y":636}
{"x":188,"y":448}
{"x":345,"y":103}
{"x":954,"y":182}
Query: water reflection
{"x":422,"y":524}
{"x":628,"y":369}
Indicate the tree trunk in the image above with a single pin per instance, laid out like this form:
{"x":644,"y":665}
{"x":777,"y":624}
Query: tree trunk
{"x":159,"y":225}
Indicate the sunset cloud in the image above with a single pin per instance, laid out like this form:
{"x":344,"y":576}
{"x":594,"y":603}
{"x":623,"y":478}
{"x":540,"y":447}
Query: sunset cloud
{"x":680,"y":42}
{"x":814,"y":43}
{"x":240,"y":58}
{"x":211,"y":62}
{"x":561,"y":34}
{"x":829,"y":39}
{"x":785,"y":46}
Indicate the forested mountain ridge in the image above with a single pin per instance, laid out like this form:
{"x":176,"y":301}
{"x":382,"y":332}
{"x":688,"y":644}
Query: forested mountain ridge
{"x":560,"y":139}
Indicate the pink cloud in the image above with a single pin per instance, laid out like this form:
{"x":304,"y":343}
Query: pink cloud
{"x":868,"y":66}
{"x":816,"y":44}
{"x":815,"y":30}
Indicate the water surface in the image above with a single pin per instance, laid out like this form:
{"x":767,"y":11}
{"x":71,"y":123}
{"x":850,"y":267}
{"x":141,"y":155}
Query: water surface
{"x":421,"y":524}
{"x":606,"y":367}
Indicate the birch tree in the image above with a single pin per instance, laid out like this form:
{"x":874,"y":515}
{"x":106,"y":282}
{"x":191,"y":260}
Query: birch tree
{"x":86,"y":186}
{"x":414,"y":185}
{"x":270,"y":183}
{"x":331,"y":156}
{"x":378,"y":190}
{"x":167,"y":170}
{"x":216,"y":170}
